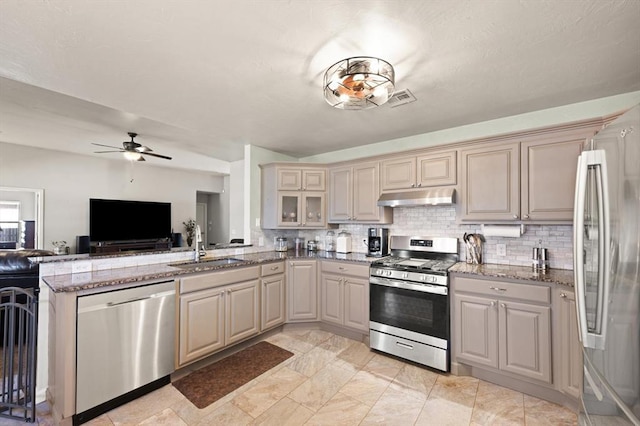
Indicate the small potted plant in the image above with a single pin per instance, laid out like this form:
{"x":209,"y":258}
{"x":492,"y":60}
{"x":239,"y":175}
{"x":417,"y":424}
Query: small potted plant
{"x":190,"y":227}
{"x":59,"y":247}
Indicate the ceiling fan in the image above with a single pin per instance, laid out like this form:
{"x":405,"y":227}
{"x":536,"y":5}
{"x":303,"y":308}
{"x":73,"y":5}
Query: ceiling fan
{"x":132,"y":150}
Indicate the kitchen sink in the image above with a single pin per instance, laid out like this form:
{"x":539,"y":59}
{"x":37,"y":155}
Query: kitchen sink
{"x":205,"y":263}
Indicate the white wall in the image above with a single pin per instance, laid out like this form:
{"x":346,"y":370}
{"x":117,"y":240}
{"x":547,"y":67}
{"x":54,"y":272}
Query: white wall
{"x":69,"y":180}
{"x":236,"y":200}
{"x":543,"y":118}
{"x":255,"y":156}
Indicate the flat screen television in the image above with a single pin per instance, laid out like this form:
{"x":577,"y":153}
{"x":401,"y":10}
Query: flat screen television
{"x":124,"y":221}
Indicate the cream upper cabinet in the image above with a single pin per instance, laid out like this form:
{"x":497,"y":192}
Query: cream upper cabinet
{"x":491,"y":182}
{"x":301,"y":209}
{"x":292,"y":179}
{"x":524,"y":181}
{"x":432,"y":169}
{"x":549,"y":178}
{"x":353,"y":195}
{"x":293,"y":196}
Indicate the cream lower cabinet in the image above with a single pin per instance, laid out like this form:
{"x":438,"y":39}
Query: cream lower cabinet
{"x":214,"y":313}
{"x":503,"y":325}
{"x":273,"y":280}
{"x":302,"y":290}
{"x":344,"y":294}
{"x":568,"y":348}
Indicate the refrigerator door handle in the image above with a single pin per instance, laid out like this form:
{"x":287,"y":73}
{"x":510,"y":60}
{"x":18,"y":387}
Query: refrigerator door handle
{"x":592,"y":338}
{"x":592,"y":384}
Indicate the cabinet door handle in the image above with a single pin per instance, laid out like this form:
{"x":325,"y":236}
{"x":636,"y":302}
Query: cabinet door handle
{"x":497,"y":288}
{"x":563,"y":295}
{"x":304,"y":188}
{"x":419,"y":185}
{"x":493,"y":303}
{"x":526,"y":216}
{"x":342,"y":269}
{"x":275,"y":268}
{"x":503,"y":305}
{"x":515,"y":216}
{"x":413,"y":185}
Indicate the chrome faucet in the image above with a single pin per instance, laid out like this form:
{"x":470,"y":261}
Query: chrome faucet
{"x":200,"y":251}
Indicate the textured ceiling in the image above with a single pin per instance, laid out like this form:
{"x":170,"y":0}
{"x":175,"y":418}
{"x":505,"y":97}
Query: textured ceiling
{"x":200,"y":79}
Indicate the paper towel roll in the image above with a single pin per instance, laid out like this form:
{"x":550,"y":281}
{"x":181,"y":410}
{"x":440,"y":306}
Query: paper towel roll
{"x":512,"y":231}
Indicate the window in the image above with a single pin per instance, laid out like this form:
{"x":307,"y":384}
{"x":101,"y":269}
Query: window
{"x":9,"y":221}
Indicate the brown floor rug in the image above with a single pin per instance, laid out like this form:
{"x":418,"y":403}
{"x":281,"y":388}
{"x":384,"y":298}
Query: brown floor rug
{"x":210,"y":383}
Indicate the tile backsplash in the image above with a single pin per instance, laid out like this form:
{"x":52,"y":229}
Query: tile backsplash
{"x":440,"y":221}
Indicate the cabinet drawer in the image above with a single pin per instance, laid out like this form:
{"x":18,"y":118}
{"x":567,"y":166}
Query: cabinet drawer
{"x":215,"y":279}
{"x":272,"y":268}
{"x":529,"y":292}
{"x":345,"y":268}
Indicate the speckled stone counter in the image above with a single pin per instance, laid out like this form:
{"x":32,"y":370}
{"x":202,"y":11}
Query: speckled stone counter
{"x":135,"y":274}
{"x":556,"y":276}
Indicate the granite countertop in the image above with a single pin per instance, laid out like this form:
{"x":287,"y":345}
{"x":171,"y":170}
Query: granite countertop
{"x":557,"y":276}
{"x":135,"y":274}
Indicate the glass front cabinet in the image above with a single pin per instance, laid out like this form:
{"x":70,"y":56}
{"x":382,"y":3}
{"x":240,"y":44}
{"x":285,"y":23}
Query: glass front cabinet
{"x":301,"y":210}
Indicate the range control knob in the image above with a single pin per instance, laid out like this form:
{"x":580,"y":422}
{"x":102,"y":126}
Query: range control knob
{"x":378,"y":271}
{"x":431,"y":278}
{"x":389,"y":273}
{"x":405,"y":275}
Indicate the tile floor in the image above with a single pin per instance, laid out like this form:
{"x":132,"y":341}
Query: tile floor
{"x":332,"y":380}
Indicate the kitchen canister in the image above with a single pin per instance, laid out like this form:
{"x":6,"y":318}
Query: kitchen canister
{"x":330,"y":241}
{"x":280,"y":244}
{"x":343,"y":242}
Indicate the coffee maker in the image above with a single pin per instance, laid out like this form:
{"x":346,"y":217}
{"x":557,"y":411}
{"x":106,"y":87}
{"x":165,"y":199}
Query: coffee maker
{"x":378,"y":242}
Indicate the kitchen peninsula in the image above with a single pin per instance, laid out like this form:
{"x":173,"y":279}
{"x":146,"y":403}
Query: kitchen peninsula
{"x":246,"y":290}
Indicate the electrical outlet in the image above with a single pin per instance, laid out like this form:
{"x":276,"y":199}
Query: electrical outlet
{"x":81,"y":266}
{"x":260,"y":242}
{"x":501,"y":249}
{"x":257,"y":221}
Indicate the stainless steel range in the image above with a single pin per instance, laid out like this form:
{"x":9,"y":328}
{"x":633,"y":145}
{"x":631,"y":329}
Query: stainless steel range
{"x":409,"y":303}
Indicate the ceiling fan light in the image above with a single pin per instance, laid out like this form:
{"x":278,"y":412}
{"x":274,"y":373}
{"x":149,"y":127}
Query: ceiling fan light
{"x":132,"y":156}
{"x":359,"y":83}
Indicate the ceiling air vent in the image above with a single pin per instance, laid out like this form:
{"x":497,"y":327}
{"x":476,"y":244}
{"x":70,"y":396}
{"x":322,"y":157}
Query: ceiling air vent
{"x":401,"y":97}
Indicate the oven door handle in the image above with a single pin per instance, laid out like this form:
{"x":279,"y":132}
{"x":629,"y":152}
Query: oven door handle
{"x":425,"y":288}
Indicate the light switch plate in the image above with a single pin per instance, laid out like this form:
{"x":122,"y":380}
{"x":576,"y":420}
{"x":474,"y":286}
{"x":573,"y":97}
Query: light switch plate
{"x":501,"y":249}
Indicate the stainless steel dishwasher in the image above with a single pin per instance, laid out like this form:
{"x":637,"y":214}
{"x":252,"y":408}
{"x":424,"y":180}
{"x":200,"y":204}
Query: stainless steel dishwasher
{"x":125,"y":343}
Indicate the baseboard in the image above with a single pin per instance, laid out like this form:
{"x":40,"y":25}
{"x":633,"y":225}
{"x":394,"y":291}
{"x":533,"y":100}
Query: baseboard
{"x":539,"y":391}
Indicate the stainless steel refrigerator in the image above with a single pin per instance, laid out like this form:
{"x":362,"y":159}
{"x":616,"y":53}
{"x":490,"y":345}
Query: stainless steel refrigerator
{"x":606,"y":268}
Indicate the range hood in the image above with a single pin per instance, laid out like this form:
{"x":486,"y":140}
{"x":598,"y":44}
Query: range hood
{"x":420,"y":197}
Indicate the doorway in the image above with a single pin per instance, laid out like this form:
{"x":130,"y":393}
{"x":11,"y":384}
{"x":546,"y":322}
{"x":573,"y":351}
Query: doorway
{"x":210,"y":218}
{"x":202,"y":221}
{"x":25,"y":230}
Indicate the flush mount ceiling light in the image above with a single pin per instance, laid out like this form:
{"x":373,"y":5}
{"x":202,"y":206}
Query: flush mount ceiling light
{"x":359,"y":83}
